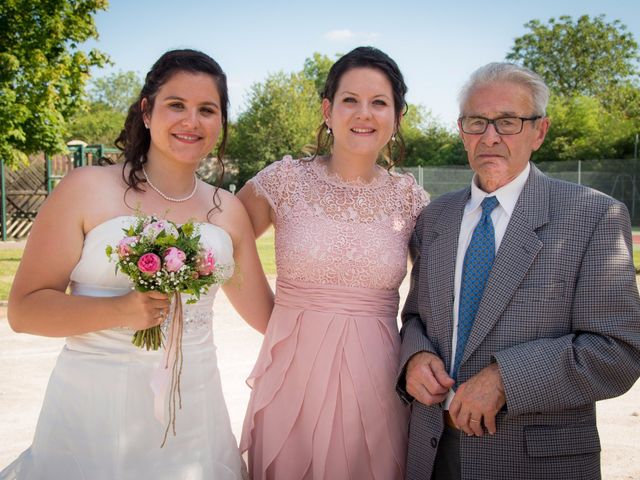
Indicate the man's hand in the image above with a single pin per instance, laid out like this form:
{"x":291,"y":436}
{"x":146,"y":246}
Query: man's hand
{"x":426,"y":379}
{"x":478,"y":400}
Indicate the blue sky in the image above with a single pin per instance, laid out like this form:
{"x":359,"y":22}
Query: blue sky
{"x":436,"y":44}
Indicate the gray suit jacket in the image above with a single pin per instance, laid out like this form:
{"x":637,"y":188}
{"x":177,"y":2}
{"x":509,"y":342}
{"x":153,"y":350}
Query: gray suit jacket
{"x":560,"y":314}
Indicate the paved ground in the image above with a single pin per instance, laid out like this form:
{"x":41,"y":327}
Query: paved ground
{"x":26,"y":362}
{"x":12,"y":244}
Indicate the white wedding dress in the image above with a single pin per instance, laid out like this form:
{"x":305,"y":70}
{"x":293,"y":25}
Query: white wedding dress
{"x":97,"y":420}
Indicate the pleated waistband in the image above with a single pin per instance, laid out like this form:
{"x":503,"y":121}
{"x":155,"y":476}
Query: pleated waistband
{"x":338,"y":299}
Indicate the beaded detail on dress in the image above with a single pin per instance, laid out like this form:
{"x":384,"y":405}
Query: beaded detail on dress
{"x":195,"y":320}
{"x":337,"y":232}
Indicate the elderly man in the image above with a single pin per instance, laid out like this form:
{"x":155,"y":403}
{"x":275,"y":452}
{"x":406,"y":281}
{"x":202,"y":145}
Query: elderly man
{"x":523,"y":309}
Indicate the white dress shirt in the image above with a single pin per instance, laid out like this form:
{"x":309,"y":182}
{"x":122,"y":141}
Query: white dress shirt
{"x":507,"y":196}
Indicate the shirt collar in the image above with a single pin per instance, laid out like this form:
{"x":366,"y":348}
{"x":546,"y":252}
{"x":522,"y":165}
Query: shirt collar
{"x":507,"y":195}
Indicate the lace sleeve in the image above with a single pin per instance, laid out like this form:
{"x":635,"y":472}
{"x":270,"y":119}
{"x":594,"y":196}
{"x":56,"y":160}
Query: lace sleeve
{"x":271,"y":182}
{"x":419,"y":197}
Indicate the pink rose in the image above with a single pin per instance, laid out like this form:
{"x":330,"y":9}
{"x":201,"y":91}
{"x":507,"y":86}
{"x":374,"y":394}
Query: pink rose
{"x":206,"y":262}
{"x":149,"y":263}
{"x":124,"y":246}
{"x":174,"y":259}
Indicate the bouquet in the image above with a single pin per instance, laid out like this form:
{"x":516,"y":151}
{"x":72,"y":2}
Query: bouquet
{"x":159,"y":255}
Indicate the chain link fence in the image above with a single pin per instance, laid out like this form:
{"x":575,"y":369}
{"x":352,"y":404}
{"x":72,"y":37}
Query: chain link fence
{"x":617,"y":178}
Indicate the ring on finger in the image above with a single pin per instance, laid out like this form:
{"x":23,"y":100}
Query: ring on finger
{"x":474,"y":420}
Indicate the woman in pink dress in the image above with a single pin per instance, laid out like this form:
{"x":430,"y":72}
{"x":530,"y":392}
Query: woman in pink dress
{"x":323,"y":403}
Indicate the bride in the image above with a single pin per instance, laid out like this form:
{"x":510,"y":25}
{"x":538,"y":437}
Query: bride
{"x":97,"y":420}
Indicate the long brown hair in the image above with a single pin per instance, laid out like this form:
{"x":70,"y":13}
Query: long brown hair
{"x":134,"y":139}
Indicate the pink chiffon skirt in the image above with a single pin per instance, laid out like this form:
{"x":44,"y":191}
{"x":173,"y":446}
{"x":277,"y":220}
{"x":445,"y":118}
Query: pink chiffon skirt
{"x":323,"y":404}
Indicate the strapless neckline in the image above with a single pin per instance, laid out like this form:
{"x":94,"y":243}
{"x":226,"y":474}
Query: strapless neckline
{"x":95,"y":271}
{"x":120,"y":217}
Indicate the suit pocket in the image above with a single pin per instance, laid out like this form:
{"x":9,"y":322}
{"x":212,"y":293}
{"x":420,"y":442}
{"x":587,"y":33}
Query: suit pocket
{"x":539,"y":293}
{"x":558,"y":441}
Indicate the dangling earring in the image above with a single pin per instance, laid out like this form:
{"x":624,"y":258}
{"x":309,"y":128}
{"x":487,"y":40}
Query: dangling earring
{"x":393,"y":137}
{"x":146,"y":125}
{"x":329,"y":132}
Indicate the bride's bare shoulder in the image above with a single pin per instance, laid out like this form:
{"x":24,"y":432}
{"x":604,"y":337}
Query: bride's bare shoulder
{"x":92,"y":179}
{"x":229,"y":214}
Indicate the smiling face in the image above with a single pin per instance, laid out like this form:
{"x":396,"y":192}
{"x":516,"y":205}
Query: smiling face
{"x":362,"y":114}
{"x":186,"y":119}
{"x":498,"y":159}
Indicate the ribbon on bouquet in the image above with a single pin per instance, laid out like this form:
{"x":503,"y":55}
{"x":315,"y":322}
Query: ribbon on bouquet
{"x":165,"y":379}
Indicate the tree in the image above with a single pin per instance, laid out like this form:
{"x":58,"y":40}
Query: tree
{"x":96,"y":124}
{"x":591,"y":67}
{"x":281,"y":118}
{"x":42,"y":72}
{"x":584,"y":57}
{"x":626,"y":100}
{"x":116,"y":91}
{"x":316,"y":68}
{"x":583,"y":129}
{"x":428,"y":142}
{"x":101,"y":119}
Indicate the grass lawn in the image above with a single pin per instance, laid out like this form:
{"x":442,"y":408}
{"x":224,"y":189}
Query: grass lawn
{"x":267,"y":252}
{"x":9,"y":260}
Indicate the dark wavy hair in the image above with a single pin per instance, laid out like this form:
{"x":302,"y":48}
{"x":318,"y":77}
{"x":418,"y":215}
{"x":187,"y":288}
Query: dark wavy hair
{"x":134,"y":139}
{"x":367,"y":57}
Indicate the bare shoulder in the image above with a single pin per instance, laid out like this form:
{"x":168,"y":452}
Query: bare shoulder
{"x":230,"y":205}
{"x":90,"y":179}
{"x":230,"y":215}
{"x":88,"y":194}
{"x":223,"y":197}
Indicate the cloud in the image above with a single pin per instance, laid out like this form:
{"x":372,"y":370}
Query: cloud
{"x":347,"y":35}
{"x":339,"y":35}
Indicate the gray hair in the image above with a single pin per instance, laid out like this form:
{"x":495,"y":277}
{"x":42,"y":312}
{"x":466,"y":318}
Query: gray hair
{"x":512,"y":73}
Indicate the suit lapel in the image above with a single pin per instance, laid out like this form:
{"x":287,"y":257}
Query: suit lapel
{"x":519,"y":248}
{"x":441,"y":271}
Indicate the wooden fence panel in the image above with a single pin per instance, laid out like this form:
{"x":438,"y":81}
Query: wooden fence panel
{"x":26,"y":188}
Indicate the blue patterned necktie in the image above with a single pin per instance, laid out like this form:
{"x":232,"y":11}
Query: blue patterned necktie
{"x":475,"y":271}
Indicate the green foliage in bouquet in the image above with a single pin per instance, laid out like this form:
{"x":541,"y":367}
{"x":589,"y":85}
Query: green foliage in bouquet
{"x":159,"y":255}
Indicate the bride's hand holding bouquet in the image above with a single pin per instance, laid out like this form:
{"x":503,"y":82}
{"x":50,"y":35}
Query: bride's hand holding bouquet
{"x":142,"y":311}
{"x":161,"y":256}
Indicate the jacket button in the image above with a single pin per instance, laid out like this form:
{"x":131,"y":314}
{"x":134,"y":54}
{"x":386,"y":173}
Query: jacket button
{"x":434,"y":442}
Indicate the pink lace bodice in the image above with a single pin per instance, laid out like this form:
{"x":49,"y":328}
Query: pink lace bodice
{"x":330,"y":231}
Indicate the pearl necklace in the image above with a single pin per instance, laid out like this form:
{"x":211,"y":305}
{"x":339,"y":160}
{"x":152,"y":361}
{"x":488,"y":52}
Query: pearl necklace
{"x":167,"y":197}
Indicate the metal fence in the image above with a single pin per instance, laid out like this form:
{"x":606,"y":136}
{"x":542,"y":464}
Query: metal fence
{"x":617,"y":178}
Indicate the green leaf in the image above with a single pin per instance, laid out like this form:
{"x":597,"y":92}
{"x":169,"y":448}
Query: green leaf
{"x":42,"y":79}
{"x":187,"y":229}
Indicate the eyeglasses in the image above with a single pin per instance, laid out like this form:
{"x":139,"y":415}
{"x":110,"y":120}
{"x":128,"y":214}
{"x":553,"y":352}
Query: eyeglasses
{"x":503,"y":125}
